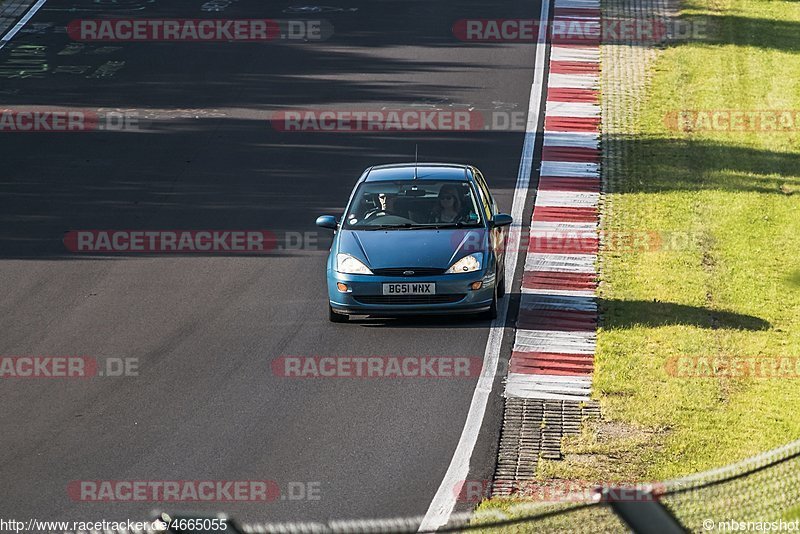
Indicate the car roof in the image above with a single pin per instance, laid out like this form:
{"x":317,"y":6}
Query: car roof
{"x":424,"y":171}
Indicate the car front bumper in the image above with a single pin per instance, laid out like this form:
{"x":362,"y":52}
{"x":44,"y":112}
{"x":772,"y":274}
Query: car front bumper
{"x":365,"y":295}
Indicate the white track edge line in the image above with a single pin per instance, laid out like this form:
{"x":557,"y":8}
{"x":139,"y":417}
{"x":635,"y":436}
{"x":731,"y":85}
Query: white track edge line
{"x":22,"y":22}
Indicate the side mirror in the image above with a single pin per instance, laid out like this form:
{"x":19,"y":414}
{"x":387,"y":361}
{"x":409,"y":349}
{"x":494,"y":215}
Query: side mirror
{"x":501,"y":219}
{"x":327,"y":221}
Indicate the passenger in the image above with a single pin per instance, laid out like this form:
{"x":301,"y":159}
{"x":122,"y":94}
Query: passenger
{"x":448,"y":207}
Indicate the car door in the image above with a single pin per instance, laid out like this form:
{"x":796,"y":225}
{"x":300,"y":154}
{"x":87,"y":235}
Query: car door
{"x":496,"y":235}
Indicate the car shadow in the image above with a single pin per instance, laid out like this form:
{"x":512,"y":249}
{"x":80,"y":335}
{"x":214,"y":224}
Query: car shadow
{"x":422,"y":321}
{"x":615,"y":314}
{"x":626,"y":314}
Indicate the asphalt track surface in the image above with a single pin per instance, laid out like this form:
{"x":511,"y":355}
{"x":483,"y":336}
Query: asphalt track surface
{"x":205,"y":328}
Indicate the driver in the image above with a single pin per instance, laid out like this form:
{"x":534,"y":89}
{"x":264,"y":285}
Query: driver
{"x":388,"y":203}
{"x":387,"y":206}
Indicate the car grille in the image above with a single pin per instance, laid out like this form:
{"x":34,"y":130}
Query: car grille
{"x":418,"y":271}
{"x":408,"y":299}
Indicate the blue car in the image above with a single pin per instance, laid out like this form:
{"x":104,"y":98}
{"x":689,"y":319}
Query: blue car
{"x":417,"y":239}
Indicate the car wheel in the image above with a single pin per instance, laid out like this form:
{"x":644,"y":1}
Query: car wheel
{"x":501,"y":287}
{"x":336,"y":317}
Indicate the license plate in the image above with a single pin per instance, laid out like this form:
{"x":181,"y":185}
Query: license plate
{"x":412,"y":288}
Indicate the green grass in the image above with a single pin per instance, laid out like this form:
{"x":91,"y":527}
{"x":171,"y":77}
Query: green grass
{"x":730,"y":288}
{"x":730,"y":284}
{"x":599,"y":518}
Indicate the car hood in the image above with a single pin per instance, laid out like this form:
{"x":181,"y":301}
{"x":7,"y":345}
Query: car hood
{"x":381,"y":249}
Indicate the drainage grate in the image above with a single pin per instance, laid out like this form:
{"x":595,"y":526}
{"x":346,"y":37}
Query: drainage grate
{"x":534,"y":428}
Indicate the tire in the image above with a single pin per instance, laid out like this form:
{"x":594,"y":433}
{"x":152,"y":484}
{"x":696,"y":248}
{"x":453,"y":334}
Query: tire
{"x":501,"y":287}
{"x":336,"y":317}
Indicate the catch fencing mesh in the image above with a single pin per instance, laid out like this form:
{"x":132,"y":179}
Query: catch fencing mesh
{"x":762,"y":489}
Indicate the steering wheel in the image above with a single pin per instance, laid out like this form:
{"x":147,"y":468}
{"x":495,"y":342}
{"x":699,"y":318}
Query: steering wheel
{"x":377,"y":212}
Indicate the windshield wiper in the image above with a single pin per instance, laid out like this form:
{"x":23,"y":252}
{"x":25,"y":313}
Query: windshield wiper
{"x":386,"y":227}
{"x":411,"y":226}
{"x":459,"y":224}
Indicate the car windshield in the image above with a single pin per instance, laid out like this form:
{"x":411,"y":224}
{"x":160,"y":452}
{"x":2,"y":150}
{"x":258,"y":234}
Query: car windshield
{"x":413,"y":204}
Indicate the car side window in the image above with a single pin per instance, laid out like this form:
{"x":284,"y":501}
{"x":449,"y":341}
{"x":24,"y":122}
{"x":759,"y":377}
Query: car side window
{"x":485,"y":186}
{"x":486,"y":198}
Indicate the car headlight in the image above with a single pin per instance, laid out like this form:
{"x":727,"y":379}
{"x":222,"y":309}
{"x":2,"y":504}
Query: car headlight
{"x":467,"y":264}
{"x":347,"y":264}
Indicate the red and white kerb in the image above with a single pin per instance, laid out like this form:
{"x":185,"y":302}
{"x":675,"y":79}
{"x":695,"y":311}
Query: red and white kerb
{"x":553,"y":353}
